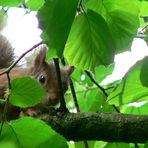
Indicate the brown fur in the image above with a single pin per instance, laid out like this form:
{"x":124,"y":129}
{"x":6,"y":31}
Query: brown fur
{"x":48,"y":71}
{"x":45,"y":73}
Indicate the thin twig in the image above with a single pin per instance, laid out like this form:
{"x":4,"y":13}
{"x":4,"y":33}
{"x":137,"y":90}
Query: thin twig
{"x":145,"y":27}
{"x":74,"y":95}
{"x":82,"y":91}
{"x":60,"y":87}
{"x":94,"y":81}
{"x":5,"y":105}
{"x":14,"y":64}
{"x":101,"y":88}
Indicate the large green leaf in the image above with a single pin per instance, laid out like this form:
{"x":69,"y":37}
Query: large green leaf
{"x":12,"y":3}
{"x":56,"y":17}
{"x":96,"y":101}
{"x":89,"y":43}
{"x":131,"y":88}
{"x":26,"y":92}
{"x":28,"y":132}
{"x":122,"y":19}
{"x":34,"y":4}
{"x":143,"y":13}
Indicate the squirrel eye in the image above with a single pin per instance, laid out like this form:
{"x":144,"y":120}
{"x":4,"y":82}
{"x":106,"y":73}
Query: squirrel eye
{"x":42,"y":79}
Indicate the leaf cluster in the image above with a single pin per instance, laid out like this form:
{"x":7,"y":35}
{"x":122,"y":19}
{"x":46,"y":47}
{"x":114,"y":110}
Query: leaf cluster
{"x":88,"y":34}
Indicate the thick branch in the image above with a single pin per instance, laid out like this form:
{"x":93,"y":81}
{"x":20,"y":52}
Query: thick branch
{"x":111,"y":127}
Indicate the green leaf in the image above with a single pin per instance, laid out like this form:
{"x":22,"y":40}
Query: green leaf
{"x":81,"y":77}
{"x":131,"y":88}
{"x":99,"y":144}
{"x":122,"y":17}
{"x":28,"y":132}
{"x":131,"y":109}
{"x":143,"y":13}
{"x":86,"y":81}
{"x":76,"y":75}
{"x":92,"y":100}
{"x":12,"y":3}
{"x":144,"y":72}
{"x":117,"y":145}
{"x":7,"y":145}
{"x":56,"y":17}
{"x":26,"y":92}
{"x":143,"y":9}
{"x":101,"y":72}
{"x":89,"y":43}
{"x":99,"y":103}
{"x":146,"y":145}
{"x":34,"y":4}
{"x":81,"y":144}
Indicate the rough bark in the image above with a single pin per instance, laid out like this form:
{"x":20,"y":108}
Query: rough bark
{"x":111,"y":127}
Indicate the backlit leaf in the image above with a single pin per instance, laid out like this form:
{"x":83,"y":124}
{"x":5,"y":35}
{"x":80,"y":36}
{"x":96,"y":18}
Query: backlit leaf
{"x":89,"y":43}
{"x":28,"y":132}
{"x":26,"y":92}
{"x":122,"y":17}
{"x":56,"y":17}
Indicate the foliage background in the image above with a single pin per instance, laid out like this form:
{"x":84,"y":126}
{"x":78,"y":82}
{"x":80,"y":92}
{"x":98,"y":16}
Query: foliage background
{"x":89,"y":33}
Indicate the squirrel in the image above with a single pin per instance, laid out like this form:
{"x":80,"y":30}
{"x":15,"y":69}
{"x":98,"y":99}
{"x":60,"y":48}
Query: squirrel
{"x":41,"y":70}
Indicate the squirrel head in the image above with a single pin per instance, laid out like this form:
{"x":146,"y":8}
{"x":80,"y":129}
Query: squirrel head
{"x":45,"y":73}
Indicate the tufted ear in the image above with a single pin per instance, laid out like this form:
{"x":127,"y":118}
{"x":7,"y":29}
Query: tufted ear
{"x":40,"y":58}
{"x":70,"y":70}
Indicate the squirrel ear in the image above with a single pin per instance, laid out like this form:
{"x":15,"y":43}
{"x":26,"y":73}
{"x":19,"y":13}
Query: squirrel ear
{"x":70,"y":69}
{"x":40,"y":58}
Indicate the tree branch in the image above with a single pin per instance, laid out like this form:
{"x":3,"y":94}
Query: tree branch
{"x":60,"y":87}
{"x":110,"y":127}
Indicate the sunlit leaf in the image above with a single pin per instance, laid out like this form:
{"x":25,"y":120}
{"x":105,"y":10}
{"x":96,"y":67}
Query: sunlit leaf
{"x":143,"y":12}
{"x":117,"y":145}
{"x":89,"y":43}
{"x":133,"y":109}
{"x":99,"y":144}
{"x":34,"y":4}
{"x":122,"y":17}
{"x":92,"y":101}
{"x":26,"y":92}
{"x":12,"y":3}
{"x":28,"y":132}
{"x":7,"y":145}
{"x":101,"y":72}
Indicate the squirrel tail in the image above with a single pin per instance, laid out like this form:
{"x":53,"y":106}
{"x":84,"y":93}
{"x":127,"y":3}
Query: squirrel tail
{"x":6,"y":52}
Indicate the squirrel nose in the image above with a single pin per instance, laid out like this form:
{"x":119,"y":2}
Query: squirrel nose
{"x":53,"y":101}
